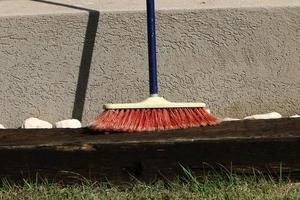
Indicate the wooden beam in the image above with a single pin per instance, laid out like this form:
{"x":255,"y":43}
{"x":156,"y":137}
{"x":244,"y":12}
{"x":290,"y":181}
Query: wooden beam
{"x":269,"y":146}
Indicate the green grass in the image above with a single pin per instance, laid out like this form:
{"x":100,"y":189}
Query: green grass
{"x":226,"y":186}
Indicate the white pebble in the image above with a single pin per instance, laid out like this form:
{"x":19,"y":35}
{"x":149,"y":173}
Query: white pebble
{"x":207,"y":110}
{"x":272,"y":115}
{"x":295,"y":116}
{"x":230,"y":119}
{"x":69,"y":123}
{"x":1,"y":126}
{"x":33,"y":122}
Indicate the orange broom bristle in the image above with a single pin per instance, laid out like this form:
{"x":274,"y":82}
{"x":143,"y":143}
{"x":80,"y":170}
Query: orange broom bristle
{"x":155,"y":119}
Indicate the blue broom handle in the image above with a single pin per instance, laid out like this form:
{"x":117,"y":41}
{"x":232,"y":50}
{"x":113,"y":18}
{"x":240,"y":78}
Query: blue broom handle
{"x":152,"y":48}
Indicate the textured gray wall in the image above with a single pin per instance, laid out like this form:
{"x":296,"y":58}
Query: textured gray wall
{"x":238,"y":61}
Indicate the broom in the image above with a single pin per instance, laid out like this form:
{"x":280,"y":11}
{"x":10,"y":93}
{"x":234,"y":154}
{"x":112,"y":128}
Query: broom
{"x":155,"y":113}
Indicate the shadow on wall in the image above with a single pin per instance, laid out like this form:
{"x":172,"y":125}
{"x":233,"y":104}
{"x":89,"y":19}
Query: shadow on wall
{"x":86,"y":57}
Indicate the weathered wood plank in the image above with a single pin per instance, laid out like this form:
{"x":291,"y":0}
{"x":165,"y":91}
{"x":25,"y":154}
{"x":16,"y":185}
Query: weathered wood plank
{"x":243,"y":145}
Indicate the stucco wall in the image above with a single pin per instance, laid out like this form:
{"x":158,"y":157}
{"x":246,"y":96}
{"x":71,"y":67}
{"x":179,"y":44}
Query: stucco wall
{"x":239,"y":61}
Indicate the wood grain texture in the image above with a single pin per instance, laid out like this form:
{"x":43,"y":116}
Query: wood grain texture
{"x":57,"y":154}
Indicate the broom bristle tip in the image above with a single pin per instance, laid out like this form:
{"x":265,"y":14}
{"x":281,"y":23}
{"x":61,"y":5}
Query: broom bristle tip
{"x":158,"y":119}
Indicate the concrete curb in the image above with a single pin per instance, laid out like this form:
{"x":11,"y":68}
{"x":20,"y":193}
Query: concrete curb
{"x":240,"y":61}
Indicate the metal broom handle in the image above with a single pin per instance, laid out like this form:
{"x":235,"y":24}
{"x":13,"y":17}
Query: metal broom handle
{"x":152,"y":48}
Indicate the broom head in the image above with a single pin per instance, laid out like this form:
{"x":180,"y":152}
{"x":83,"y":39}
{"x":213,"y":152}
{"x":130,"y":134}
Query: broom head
{"x":152,"y":114}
